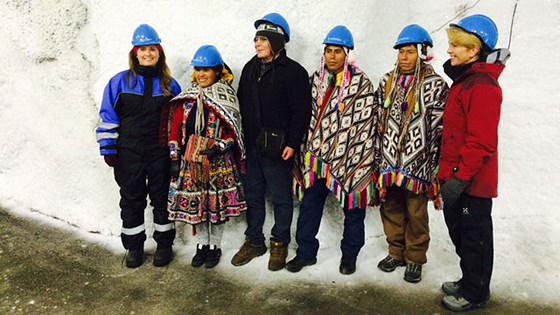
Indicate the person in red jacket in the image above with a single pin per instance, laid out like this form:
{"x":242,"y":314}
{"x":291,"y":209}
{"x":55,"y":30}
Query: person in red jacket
{"x":468,"y":165}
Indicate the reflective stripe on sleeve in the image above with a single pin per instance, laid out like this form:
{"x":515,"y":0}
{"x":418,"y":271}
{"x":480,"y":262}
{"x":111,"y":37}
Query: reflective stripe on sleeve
{"x":107,"y":135}
{"x":107,"y":126}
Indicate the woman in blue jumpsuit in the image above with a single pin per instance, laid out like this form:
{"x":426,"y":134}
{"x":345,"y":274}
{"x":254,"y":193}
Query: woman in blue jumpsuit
{"x":128,"y":136}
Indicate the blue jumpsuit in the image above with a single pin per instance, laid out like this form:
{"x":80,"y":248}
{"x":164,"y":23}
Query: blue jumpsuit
{"x":130,"y":127}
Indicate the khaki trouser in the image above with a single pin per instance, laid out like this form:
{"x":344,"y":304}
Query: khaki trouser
{"x":405,"y":221}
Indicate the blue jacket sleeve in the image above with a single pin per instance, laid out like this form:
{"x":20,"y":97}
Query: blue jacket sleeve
{"x":175,"y":88}
{"x":107,"y":129}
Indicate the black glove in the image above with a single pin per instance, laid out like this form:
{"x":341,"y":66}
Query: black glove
{"x":212,"y":152}
{"x":451,"y":190}
{"x":175,"y":168}
{"x":111,"y":160}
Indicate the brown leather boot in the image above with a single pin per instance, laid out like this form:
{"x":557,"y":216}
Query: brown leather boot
{"x":246,"y":253}
{"x":278,"y":254}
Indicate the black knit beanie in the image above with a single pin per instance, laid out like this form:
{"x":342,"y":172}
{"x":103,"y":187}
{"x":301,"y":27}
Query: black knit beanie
{"x":275,"y":36}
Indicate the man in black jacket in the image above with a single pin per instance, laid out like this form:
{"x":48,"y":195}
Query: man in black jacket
{"x":275,"y":96}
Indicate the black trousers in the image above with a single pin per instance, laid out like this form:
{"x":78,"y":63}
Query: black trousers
{"x":142,"y":173}
{"x":469,"y":222}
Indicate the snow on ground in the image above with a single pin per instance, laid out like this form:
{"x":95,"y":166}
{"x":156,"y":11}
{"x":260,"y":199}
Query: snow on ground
{"x":61,"y":54}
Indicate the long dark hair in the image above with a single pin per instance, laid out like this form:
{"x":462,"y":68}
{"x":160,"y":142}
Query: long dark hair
{"x":164,"y":74}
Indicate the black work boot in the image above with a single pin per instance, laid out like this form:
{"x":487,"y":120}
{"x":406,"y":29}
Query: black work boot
{"x":213,"y":257}
{"x":296,"y":264}
{"x":347,"y":265}
{"x":163,"y":256}
{"x":135,"y":258}
{"x":200,"y":257}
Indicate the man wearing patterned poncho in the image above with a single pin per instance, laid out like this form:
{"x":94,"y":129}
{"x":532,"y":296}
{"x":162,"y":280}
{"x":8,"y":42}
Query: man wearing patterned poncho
{"x":338,"y":153}
{"x":411,"y":99}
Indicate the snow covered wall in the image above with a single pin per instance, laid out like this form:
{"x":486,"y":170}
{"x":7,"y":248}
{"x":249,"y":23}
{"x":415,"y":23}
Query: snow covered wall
{"x":60,"y":54}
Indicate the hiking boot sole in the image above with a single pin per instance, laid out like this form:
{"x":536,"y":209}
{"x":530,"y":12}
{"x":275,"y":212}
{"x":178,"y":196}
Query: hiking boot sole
{"x":391,"y":269}
{"x":412,"y":280}
{"x":134,"y":264}
{"x":276,"y":267}
{"x":468,"y":307}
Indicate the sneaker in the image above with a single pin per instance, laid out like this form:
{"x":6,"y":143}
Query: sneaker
{"x":296,"y":264}
{"x":200,"y":257}
{"x":413,"y":273}
{"x":163,"y":256}
{"x":213,"y":257}
{"x":347,"y":265}
{"x":135,"y":258}
{"x":451,"y":287}
{"x":389,"y":264}
{"x":457,"y":303}
{"x":246,"y":253}
{"x":278,"y":254}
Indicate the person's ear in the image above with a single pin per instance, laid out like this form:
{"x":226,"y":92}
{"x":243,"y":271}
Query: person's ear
{"x":475,"y":51}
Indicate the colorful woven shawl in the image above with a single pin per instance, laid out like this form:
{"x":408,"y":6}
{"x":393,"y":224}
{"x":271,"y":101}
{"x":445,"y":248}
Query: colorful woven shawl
{"x":221,"y":99}
{"x":410,"y":131}
{"x":339,"y":143}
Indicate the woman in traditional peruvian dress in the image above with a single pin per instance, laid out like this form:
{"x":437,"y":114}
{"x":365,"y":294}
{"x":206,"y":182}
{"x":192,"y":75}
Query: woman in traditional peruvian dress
{"x":207,"y":152}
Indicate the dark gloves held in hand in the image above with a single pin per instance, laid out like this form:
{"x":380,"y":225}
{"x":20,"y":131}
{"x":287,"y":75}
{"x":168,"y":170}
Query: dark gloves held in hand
{"x":175,"y":168}
{"x":212,"y":152}
{"x":111,"y":160}
{"x":451,"y":190}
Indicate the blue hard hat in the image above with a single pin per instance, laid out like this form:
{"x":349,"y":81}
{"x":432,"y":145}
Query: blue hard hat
{"x":278,"y":20}
{"x":145,"y":35}
{"x":481,"y":26}
{"x":340,"y":36}
{"x":413,"y":34}
{"x":207,"y":56}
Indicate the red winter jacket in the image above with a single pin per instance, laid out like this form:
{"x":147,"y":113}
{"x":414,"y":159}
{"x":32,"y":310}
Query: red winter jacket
{"x":469,"y":149}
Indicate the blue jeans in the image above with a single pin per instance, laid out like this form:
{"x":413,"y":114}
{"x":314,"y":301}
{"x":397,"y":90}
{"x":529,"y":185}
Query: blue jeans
{"x":276,"y":174}
{"x":309,"y":220}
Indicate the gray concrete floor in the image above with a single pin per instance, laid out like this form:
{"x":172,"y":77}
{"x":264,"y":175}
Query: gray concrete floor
{"x":48,"y":271}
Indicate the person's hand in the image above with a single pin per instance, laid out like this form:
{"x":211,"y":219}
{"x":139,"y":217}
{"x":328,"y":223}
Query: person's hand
{"x":451,"y":190}
{"x":111,"y":160}
{"x":175,"y":168}
{"x":287,"y":153}
{"x":212,"y":152}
